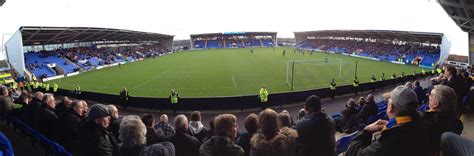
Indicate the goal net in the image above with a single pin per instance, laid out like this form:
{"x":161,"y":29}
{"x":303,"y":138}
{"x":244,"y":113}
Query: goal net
{"x":303,"y":74}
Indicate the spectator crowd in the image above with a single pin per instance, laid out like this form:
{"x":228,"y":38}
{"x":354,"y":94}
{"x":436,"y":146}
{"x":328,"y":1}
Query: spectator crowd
{"x":100,"y":130}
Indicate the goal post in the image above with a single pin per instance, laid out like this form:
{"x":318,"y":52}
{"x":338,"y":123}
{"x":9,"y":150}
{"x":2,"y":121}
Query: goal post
{"x":302,"y":74}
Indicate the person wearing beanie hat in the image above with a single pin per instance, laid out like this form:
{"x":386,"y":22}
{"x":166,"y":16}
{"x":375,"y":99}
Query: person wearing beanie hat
{"x":316,"y":130}
{"x":93,"y":136}
{"x":402,"y":134}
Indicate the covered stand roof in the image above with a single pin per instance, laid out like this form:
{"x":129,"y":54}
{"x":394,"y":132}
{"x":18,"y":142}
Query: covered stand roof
{"x":56,"y":35}
{"x":232,"y":34}
{"x":461,"y":11}
{"x":423,"y":37}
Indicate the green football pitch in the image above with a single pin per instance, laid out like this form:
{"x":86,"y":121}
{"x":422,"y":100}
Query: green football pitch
{"x":230,"y":72}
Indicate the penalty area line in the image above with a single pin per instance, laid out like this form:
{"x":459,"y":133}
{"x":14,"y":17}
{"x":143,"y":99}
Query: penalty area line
{"x":233,"y":80}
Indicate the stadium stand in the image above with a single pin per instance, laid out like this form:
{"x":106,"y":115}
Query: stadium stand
{"x":233,"y":40}
{"x":422,"y":49}
{"x":73,"y":59}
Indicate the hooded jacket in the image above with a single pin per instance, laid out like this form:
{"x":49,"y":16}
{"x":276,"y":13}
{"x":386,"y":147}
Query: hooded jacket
{"x":283,"y":144}
{"x":197,"y":129}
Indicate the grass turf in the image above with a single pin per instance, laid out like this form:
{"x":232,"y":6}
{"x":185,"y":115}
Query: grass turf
{"x":226,"y":72}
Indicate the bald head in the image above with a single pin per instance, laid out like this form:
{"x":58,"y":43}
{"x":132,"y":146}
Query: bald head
{"x":164,"y":118}
{"x":39,"y":96}
{"x":181,"y":122}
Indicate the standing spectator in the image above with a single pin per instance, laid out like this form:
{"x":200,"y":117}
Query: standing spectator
{"x":349,"y":121}
{"x":167,"y":129}
{"x":115,"y":120}
{"x":370,"y":109}
{"x":6,"y":103}
{"x":420,"y":93}
{"x":316,"y":130}
{"x":454,"y":81}
{"x":223,"y":142}
{"x":24,"y":100}
{"x":124,"y":97}
{"x":94,"y":138}
{"x":185,"y":144}
{"x":46,"y":117}
{"x":251,"y":125}
{"x":132,"y":132}
{"x":467,"y":81}
{"x":63,"y":106}
{"x":152,"y":135}
{"x":196,"y":128}
{"x":271,"y":140}
{"x":403,"y":134}
{"x":441,"y":116}
{"x":67,"y":123}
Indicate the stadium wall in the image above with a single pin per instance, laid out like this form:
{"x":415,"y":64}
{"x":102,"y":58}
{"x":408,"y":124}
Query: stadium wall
{"x":234,"y":102}
{"x":14,"y":49}
{"x":445,"y":48}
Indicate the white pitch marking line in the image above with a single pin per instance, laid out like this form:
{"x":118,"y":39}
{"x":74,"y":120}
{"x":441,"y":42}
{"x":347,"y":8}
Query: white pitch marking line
{"x":233,"y":80}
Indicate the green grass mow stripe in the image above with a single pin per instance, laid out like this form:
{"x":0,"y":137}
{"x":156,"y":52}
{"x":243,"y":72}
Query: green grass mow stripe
{"x":224,"y":72}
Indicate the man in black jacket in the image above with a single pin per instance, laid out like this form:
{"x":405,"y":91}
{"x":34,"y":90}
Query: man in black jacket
{"x":368,"y":110}
{"x":46,"y":117}
{"x":316,"y":130}
{"x":441,"y":116}
{"x":94,"y":138}
{"x":457,"y":83}
{"x":67,"y":124}
{"x":404,"y":133}
{"x":185,"y":144}
{"x":31,"y":109}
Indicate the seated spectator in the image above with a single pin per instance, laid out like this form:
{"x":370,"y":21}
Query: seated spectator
{"x":66,"y":125}
{"x":271,"y":140}
{"x":349,"y":121}
{"x":210,"y":133}
{"x":251,"y":125}
{"x":196,"y":128}
{"x":167,"y":129}
{"x":185,"y":144}
{"x":115,"y":120}
{"x":420,"y":93}
{"x":441,"y":116}
{"x":316,"y":130}
{"x":284,"y":120}
{"x":222,"y":143}
{"x":152,"y":135}
{"x":46,"y":117}
{"x":455,"y":145}
{"x":370,"y":109}
{"x":24,"y":100}
{"x":409,"y":85}
{"x":301,"y":114}
{"x":132,"y":134}
{"x":361,"y":103}
{"x":403,"y":134}
{"x":64,"y":106}
{"x":94,"y":138}
{"x":31,"y":109}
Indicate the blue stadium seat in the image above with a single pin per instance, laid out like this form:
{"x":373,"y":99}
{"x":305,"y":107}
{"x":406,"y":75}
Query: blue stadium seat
{"x":344,"y":142}
{"x":5,"y":146}
{"x":423,"y":107}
